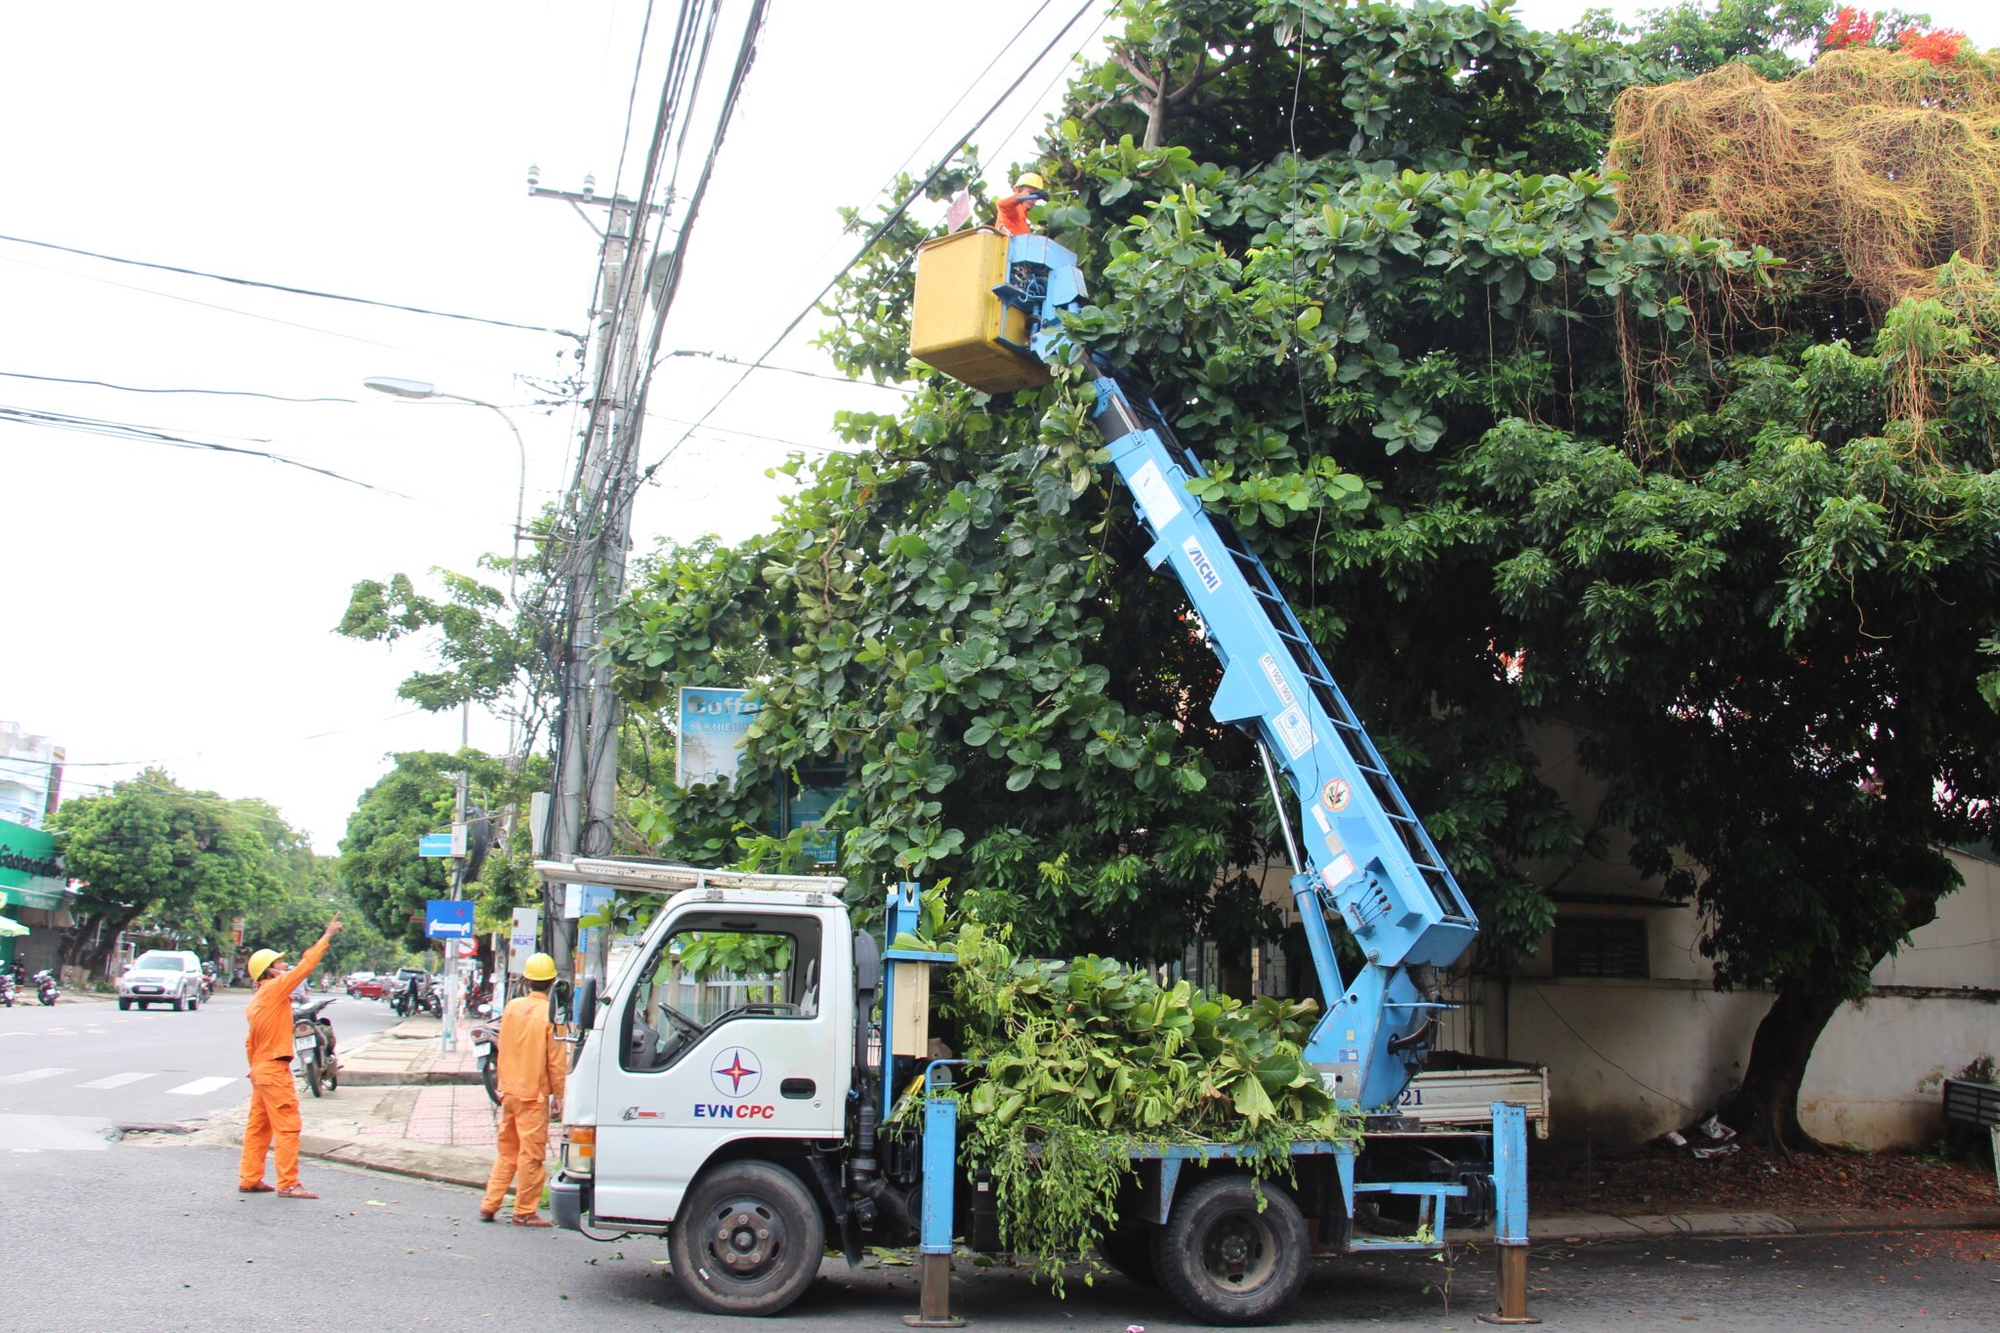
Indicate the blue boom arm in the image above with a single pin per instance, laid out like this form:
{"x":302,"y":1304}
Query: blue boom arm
{"x":1362,"y":854}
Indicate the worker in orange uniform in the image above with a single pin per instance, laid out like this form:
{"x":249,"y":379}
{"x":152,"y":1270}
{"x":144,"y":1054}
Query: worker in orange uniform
{"x":532,"y":1066}
{"x":1012,"y":212}
{"x":274,"y":1098}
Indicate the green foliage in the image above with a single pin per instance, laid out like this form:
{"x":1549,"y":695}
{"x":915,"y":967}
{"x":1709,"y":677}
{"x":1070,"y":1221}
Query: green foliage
{"x":1520,"y":473}
{"x":150,"y":848}
{"x":1681,"y":40}
{"x":1074,"y":1064}
{"x":487,"y":653}
{"x":379,"y":866}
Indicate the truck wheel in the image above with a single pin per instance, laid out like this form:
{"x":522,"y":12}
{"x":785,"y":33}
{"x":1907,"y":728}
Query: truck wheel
{"x":1128,"y":1247}
{"x":1226,"y":1262}
{"x":748,"y":1240}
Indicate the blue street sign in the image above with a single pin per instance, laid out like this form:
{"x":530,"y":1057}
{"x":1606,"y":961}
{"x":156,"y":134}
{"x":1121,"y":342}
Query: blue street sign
{"x":434,"y":844}
{"x":447,"y":920}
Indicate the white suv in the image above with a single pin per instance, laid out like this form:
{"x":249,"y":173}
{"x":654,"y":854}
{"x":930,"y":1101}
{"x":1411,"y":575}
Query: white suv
{"x":162,"y":976}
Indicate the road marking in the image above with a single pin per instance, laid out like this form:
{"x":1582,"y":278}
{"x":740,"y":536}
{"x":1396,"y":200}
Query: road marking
{"x":115,"y":1081}
{"x":202,"y":1086}
{"x":30,"y":1075}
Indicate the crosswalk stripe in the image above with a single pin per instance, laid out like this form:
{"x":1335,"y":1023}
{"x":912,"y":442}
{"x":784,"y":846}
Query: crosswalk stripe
{"x":201,"y":1086}
{"x":114,"y":1081}
{"x":30,"y":1075}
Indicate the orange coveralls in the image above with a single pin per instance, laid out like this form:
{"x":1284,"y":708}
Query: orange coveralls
{"x":1011,"y":213}
{"x":532,"y":1067}
{"x":274,"y":1098}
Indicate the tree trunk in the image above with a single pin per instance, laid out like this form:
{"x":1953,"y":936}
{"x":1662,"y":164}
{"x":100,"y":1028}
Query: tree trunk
{"x":1764,"y":1108}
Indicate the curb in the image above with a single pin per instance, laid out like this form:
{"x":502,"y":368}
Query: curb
{"x":434,"y":1162}
{"x":1605,"y":1229}
{"x":389,"y":1078}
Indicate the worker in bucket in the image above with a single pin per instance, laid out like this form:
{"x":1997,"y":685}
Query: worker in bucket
{"x":1012,"y":212}
{"x":532,"y":1065}
{"x":274,"y":1099}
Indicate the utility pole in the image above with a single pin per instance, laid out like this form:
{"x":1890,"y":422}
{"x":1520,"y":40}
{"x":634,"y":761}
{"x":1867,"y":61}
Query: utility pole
{"x":599,"y":537}
{"x":448,"y":1029}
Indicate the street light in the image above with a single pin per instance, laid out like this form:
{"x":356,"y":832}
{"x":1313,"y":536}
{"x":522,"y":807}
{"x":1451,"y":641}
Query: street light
{"x":400,"y":388}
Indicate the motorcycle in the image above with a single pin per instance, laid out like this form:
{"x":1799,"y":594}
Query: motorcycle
{"x":207,"y":987}
{"x":7,"y":989}
{"x":433,"y":999}
{"x":313,"y":1054}
{"x":404,"y":999}
{"x":485,"y":1036}
{"x":46,"y":989}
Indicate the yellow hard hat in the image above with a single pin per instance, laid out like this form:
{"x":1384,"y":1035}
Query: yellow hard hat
{"x":1031,"y":180}
{"x":260,"y":960}
{"x":539,"y":967}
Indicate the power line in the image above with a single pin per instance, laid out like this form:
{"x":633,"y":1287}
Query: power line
{"x":121,"y":430}
{"x":949,"y":112}
{"x":880,"y":230}
{"x":282,"y":287}
{"x":128,"y":388}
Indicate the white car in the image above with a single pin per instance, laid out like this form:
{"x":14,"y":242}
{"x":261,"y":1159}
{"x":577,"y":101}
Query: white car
{"x":162,"y":976}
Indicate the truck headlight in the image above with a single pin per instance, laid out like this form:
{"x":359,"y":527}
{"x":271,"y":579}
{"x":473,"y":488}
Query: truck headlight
{"x":579,"y":1149}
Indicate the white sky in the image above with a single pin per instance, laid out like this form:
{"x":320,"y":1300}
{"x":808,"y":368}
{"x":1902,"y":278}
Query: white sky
{"x":161,"y":605}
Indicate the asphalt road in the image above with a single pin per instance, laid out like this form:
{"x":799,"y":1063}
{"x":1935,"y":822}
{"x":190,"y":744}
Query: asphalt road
{"x":170,"y":1244}
{"x":86,"y":1059}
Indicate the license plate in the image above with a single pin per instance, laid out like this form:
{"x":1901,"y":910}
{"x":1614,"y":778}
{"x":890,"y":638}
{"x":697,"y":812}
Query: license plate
{"x":145,"y":990}
{"x":303,"y":1048}
{"x":483,"y":1047}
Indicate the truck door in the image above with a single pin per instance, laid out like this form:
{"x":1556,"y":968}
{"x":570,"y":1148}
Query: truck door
{"x":727,"y":1033}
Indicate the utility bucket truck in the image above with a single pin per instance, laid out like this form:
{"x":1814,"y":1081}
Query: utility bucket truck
{"x":738,"y":1086}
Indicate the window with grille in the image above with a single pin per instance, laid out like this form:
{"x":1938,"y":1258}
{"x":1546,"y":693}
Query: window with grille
{"x":1600,"y":946}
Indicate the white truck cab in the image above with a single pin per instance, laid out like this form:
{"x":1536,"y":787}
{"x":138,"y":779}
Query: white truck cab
{"x":728,"y":1036}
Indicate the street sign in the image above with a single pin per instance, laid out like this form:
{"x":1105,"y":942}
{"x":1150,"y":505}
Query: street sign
{"x":447,"y":920}
{"x":435,"y":844}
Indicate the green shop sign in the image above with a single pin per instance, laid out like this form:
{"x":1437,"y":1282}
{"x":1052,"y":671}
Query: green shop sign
{"x":30,"y":873}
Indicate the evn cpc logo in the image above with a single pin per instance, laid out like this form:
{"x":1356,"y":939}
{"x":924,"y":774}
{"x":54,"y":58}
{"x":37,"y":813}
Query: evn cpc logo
{"x":736,"y":1072}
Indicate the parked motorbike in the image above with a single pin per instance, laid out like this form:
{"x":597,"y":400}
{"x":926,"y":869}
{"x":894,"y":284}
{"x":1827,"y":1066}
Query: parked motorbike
{"x":433,"y":999}
{"x":404,"y":999}
{"x":485,"y":1036}
{"x":46,"y":989}
{"x":313,"y":1049}
{"x":7,"y":989}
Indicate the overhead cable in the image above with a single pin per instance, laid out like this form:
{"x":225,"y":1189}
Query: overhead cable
{"x":874,"y":236}
{"x":294,"y":291}
{"x":129,"y":388}
{"x":120,"y":430}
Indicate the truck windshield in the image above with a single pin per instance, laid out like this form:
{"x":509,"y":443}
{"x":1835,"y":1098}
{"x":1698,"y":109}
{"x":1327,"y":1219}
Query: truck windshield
{"x":712,"y":971}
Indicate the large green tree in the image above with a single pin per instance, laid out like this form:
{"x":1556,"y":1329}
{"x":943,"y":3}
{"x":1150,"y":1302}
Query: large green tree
{"x":1516,"y":463}
{"x":379,"y":866}
{"x":152,"y":848}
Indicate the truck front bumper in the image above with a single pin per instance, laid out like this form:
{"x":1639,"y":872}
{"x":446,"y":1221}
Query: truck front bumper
{"x":567,"y":1201}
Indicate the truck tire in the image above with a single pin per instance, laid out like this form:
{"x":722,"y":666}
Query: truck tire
{"x":1224,"y":1260}
{"x":1128,"y":1247}
{"x":748,"y":1240}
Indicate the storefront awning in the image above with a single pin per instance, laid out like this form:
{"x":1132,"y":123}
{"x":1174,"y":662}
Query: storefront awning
{"x":9,"y":926}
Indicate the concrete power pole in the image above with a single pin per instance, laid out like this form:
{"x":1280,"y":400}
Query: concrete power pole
{"x":581,"y":815}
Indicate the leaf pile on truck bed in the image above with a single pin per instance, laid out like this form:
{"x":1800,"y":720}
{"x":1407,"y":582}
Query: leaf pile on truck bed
{"x":1077,"y":1064}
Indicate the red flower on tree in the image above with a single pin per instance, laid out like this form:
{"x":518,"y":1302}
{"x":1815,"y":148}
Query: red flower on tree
{"x":1850,"y":27}
{"x":1940,"y":47}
